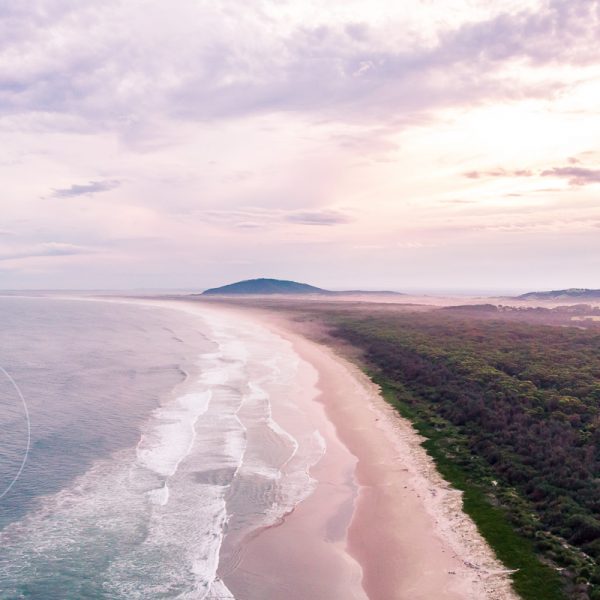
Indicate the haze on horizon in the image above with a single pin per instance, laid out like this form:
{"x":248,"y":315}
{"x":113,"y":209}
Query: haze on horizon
{"x":426,"y":145}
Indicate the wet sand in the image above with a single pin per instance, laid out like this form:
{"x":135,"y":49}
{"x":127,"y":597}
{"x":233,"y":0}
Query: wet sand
{"x":381,"y":524}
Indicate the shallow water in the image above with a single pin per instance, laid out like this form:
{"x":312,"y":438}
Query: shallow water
{"x":154,"y":449}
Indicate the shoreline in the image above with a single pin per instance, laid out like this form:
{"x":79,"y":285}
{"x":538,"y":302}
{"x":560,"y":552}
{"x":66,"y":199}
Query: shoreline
{"x":403,"y":536}
{"x":421,"y":544}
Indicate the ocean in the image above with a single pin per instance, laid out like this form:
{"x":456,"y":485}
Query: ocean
{"x":139,"y":447}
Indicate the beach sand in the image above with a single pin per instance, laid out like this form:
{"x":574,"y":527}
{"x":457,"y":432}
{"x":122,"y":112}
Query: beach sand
{"x":382,"y":524}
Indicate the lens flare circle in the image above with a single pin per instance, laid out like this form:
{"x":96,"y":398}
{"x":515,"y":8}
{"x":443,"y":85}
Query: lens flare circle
{"x":26,"y":454}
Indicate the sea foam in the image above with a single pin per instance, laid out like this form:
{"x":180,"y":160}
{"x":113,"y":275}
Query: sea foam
{"x":170,"y":435}
{"x":212,"y":466}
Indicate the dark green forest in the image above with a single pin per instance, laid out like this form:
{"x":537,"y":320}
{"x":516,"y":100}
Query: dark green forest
{"x":511,"y":411}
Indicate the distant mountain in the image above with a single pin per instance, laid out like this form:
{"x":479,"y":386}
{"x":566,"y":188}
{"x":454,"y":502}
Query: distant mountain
{"x":570,"y":294}
{"x":281,"y":286}
{"x":265,"y":286}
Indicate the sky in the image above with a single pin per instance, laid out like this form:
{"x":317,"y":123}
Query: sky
{"x":380,"y":144}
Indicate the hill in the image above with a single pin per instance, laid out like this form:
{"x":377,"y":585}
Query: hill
{"x":572,"y":293}
{"x":265,"y":286}
{"x":262,"y":286}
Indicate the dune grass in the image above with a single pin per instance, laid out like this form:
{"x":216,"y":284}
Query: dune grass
{"x":532,"y":579}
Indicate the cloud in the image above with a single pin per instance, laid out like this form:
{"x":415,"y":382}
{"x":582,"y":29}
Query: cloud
{"x":556,"y":32}
{"x":203,"y":60}
{"x":47,"y":249}
{"x":577,"y":176}
{"x":258,"y":217}
{"x":63,"y":249}
{"x":328,"y":69}
{"x":322,"y":217}
{"x":86,"y":189}
{"x":549,"y":224}
{"x":499,"y":173}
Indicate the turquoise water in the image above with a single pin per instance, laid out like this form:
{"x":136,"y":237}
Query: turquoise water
{"x":154,"y":452}
{"x":91,"y":373}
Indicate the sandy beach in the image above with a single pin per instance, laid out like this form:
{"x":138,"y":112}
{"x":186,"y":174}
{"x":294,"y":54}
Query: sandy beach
{"x":400,"y":535}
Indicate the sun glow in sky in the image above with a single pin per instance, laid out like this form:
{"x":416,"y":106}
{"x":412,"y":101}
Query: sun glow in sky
{"x":400,"y":145}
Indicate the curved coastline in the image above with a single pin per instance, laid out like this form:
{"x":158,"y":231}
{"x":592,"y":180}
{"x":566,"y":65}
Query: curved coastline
{"x":364,"y":514}
{"x":421,"y":544}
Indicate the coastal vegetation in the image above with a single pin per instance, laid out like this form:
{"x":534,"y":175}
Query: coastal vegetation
{"x":511,"y":413}
{"x":571,"y":293}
